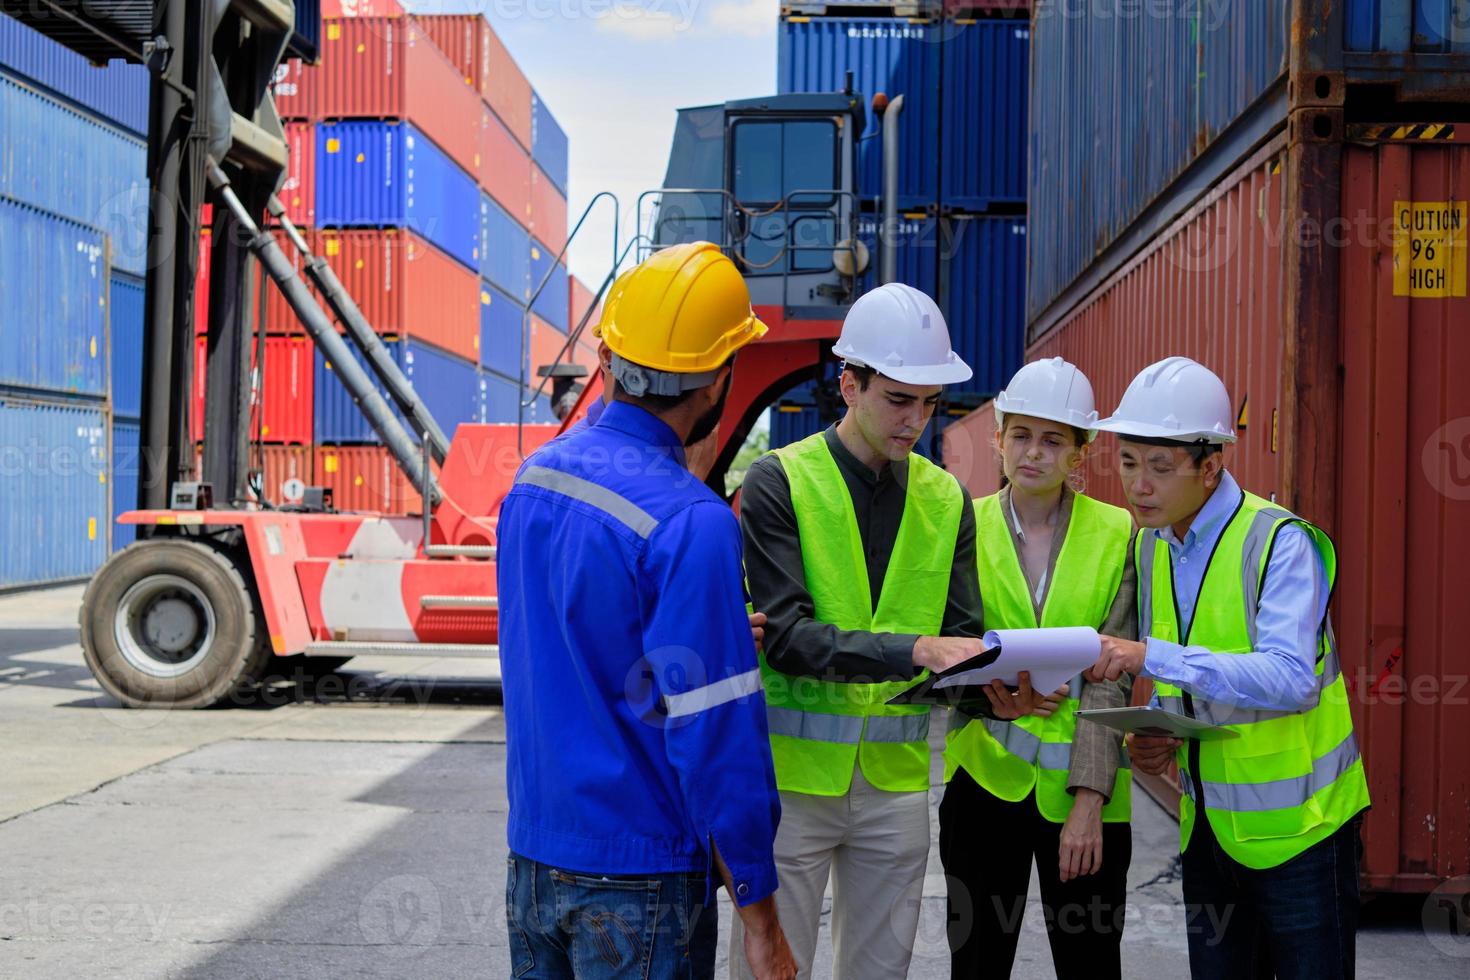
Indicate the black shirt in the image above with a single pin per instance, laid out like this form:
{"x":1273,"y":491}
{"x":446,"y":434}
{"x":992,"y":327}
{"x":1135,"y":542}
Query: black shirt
{"x":795,"y":642}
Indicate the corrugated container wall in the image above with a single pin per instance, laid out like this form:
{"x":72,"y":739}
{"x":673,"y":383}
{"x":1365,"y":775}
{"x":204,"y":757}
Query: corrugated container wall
{"x":286,"y":386}
{"x":985,"y":72}
{"x":548,"y":143}
{"x":118,"y":92}
{"x":365,"y":478}
{"x":125,"y":333}
{"x":1400,"y":26}
{"x":55,"y":505}
{"x":982,"y":289}
{"x":505,"y":87}
{"x":550,"y":277}
{"x":363,"y":180}
{"x":298,"y":192}
{"x":388,"y":68}
{"x":502,"y":321}
{"x":1155,"y":91}
{"x":889,"y":56}
{"x":53,"y":312}
{"x":126,"y":470}
{"x":280,"y":464}
{"x":58,"y":158}
{"x":548,"y":210}
{"x":502,"y":405}
{"x":505,"y":250}
{"x":447,"y":385}
{"x":919,"y":250}
{"x":505,"y":167}
{"x":294,"y":92}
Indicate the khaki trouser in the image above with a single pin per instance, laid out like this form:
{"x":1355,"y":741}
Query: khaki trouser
{"x":875,"y":845}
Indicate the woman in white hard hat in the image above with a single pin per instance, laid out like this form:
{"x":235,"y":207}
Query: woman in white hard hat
{"x":1049,"y":788}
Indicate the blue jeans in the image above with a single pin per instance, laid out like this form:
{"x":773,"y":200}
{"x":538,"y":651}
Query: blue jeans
{"x":1298,"y":919}
{"x":572,"y":924}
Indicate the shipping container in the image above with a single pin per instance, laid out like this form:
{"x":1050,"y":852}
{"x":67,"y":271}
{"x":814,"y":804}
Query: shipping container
{"x":982,"y":290}
{"x":1326,"y":284}
{"x":505,"y":87}
{"x":551,"y":303}
{"x":387,"y":68}
{"x":286,"y":391}
{"x":446,"y":384}
{"x":63,"y":160}
{"x":505,"y":250}
{"x":55,"y":501}
{"x":127,"y":315}
{"x":365,"y":478}
{"x":502,"y":405}
{"x":280,"y":318}
{"x":125,"y":470}
{"x":306,"y":38}
{"x":502,"y":322}
{"x":548,"y":210}
{"x":505,"y":167}
{"x":986,"y":8}
{"x":386,"y":175}
{"x":298,"y":192}
{"x":279,"y":466}
{"x":118,"y":92}
{"x":891,"y":56}
{"x":548,"y":143}
{"x":457,"y":36}
{"x":1405,"y":26}
{"x":362,"y":8}
{"x":295,"y":91}
{"x":53,"y":302}
{"x":579,"y":302}
{"x":406,"y":287}
{"x":985,"y":81}
{"x":546,"y":348}
{"x":920,"y":246}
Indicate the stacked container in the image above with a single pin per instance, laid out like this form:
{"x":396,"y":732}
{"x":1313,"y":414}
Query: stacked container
{"x":73,"y":245}
{"x":963,"y":72}
{"x":433,"y":180}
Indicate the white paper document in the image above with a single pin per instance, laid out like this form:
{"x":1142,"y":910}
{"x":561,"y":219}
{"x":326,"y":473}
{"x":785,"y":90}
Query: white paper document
{"x":1053,"y":656}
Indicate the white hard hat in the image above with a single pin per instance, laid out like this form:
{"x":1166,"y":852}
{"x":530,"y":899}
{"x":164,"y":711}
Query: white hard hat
{"x":899,"y":332}
{"x":1053,"y":389}
{"x":1176,"y":399}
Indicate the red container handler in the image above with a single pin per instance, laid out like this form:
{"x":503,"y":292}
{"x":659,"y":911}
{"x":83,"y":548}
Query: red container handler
{"x":288,"y":382}
{"x":387,"y":68}
{"x":505,"y":167}
{"x":406,"y":287}
{"x":279,"y":466}
{"x":548,"y":211}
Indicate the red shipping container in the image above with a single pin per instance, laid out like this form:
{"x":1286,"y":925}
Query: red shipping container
{"x":279,"y":317}
{"x":545,"y":344}
{"x":578,"y":302}
{"x":406,"y":287}
{"x":365,"y":478}
{"x":548,"y":211}
{"x":298,"y":192}
{"x":201,"y":283}
{"x":458,"y":37}
{"x":505,"y":87}
{"x":282,"y":464}
{"x":294,"y":90}
{"x":505,"y":167}
{"x":387,"y":68}
{"x":362,"y":8}
{"x":288,"y":384}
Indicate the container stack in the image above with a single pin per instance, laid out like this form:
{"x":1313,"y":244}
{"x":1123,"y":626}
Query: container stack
{"x":963,"y":70}
{"x":442,"y":231}
{"x":72,"y":250}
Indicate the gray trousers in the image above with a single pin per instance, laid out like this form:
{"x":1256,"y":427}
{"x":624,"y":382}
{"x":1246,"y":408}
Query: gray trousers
{"x":874,"y":846}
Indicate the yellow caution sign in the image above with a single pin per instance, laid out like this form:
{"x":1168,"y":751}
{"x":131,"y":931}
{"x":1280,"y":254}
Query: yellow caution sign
{"x":1429,"y":249}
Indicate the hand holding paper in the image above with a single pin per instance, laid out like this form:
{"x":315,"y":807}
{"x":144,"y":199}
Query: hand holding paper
{"x":1053,"y":656}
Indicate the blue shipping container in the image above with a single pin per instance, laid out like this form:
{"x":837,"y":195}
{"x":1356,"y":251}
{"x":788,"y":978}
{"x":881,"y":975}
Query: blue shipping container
{"x":884,"y":55}
{"x":125,"y":342}
{"x":65,"y":161}
{"x":552,"y":302}
{"x":53,"y":312}
{"x":919,"y":250}
{"x":446,"y":384}
{"x":1427,"y":26}
{"x":126,"y":468}
{"x":118,"y":92}
{"x":505,"y":250}
{"x":500,"y":403}
{"x":388,"y":175}
{"x":982,"y":283}
{"x":502,"y":323}
{"x":549,"y":143}
{"x":794,"y":416}
{"x":1108,"y":138}
{"x":982,"y":129}
{"x":54,"y":499}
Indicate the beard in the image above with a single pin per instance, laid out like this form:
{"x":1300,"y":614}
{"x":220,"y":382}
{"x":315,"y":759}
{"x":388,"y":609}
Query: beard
{"x":706,"y":423}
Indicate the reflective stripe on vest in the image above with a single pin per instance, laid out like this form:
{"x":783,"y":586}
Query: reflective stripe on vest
{"x":1292,"y":778}
{"x":820,"y":729}
{"x":1010,"y":759}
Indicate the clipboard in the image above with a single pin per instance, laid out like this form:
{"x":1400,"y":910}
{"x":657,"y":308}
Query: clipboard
{"x":925,"y":692}
{"x":1149,"y":720}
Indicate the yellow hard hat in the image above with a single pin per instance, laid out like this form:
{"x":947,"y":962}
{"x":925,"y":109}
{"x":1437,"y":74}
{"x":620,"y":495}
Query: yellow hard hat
{"x":678,"y":318}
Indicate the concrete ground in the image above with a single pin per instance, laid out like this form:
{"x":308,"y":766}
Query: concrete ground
{"x":356,"y":829}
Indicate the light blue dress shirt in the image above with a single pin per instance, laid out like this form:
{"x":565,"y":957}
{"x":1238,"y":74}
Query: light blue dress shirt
{"x":1280,"y":675}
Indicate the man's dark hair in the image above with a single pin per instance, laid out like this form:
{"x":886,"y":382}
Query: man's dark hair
{"x":862,"y":373}
{"x":1199,"y":451}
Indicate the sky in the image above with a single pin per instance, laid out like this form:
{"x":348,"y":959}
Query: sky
{"x":613,"y":72}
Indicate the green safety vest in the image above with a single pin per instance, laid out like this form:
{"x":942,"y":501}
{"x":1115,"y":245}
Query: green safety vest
{"x":1292,"y":778}
{"x":1010,"y":758}
{"x":820,"y":729}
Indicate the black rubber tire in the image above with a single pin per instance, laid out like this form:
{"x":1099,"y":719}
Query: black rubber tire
{"x":236,"y":658}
